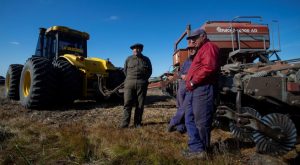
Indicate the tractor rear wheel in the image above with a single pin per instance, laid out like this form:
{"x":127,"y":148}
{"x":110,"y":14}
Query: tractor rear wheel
{"x":38,"y":83}
{"x":12,"y":81}
{"x":70,"y":81}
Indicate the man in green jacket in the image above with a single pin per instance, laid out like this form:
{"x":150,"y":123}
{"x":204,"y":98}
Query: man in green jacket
{"x":138,"y":70}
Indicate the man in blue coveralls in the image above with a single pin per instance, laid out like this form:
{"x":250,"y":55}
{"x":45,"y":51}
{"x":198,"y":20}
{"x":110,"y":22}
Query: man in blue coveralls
{"x":177,"y":122}
{"x":200,"y":81}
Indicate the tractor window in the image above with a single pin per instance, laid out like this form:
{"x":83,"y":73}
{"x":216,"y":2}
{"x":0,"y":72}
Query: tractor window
{"x":72,"y":45}
{"x":41,"y":45}
{"x":54,"y":45}
{"x":50,"y":47}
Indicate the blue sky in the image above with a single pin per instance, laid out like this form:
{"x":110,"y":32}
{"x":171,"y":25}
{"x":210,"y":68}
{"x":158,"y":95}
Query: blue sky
{"x":114,"y":25}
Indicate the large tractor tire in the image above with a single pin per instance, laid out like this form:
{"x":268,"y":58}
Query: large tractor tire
{"x":38,"y":84}
{"x":12,"y":81}
{"x":70,"y":81}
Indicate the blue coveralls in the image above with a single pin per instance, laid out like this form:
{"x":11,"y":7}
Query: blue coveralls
{"x":198,"y":116}
{"x":178,"y":119}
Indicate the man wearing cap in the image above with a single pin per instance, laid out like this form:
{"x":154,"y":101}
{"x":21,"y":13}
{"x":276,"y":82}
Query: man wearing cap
{"x":177,"y":122}
{"x":138,"y":70}
{"x":200,"y":81}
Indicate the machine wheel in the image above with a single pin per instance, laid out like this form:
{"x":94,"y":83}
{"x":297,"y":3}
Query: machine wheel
{"x":243,"y":134}
{"x":37,"y":83}
{"x":285,"y":125}
{"x":70,"y":81}
{"x":12,"y":81}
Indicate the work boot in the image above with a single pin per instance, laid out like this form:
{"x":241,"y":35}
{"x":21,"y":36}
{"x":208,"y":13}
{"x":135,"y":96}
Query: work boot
{"x":137,"y":125}
{"x":194,"y":154}
{"x":171,"y":128}
{"x":181,"y":128}
{"x":124,"y":125}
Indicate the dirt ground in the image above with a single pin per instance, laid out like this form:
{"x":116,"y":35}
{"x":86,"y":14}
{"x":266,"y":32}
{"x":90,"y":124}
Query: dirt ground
{"x":20,"y":126}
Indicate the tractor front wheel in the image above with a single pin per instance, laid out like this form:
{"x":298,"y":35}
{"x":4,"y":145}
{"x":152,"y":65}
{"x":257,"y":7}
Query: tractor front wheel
{"x":12,"y":81}
{"x":37,"y":84}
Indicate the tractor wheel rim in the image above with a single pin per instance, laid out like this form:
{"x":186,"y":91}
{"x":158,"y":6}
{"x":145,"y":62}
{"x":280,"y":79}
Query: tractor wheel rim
{"x":27,"y":83}
{"x":7,"y":82}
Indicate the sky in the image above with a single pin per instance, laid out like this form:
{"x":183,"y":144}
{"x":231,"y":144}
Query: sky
{"x":114,"y":25}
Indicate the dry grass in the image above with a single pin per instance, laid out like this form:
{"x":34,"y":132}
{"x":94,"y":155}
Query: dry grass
{"x":90,"y":135}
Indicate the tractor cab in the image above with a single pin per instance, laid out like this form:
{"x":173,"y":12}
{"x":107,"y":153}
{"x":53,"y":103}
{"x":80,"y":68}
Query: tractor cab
{"x":57,"y":41}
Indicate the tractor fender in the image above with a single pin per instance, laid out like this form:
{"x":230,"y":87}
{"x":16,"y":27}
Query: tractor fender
{"x":90,"y":66}
{"x":77,"y":61}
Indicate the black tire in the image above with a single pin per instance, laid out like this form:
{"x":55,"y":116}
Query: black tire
{"x":12,"y":81}
{"x":70,"y":81}
{"x":38,"y":84}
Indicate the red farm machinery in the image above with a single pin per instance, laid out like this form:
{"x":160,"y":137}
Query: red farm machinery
{"x":259,"y":94}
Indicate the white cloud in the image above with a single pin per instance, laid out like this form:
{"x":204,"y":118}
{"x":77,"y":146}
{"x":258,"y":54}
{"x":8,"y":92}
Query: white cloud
{"x":113,"y":18}
{"x":14,"y":43}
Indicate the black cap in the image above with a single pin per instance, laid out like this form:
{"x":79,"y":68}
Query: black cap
{"x":196,"y":33}
{"x":137,"y":45}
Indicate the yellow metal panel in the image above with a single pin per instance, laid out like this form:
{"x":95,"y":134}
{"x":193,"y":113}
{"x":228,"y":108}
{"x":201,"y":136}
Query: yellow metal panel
{"x":90,"y":66}
{"x":68,"y":30}
{"x":77,"y":61}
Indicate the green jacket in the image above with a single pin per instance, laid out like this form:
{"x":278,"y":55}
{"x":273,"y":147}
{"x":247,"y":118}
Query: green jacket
{"x":137,"y":68}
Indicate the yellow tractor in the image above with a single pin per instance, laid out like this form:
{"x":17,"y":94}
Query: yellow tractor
{"x":60,"y":72}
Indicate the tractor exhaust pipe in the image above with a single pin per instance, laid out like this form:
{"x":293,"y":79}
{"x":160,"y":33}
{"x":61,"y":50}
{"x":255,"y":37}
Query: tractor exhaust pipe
{"x":40,"y":46}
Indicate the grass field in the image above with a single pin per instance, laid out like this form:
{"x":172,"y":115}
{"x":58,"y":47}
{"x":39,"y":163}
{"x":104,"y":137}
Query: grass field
{"x":88,"y":133}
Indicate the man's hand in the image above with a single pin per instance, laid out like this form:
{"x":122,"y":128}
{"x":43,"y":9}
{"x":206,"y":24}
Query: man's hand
{"x":189,"y":85}
{"x":183,"y":77}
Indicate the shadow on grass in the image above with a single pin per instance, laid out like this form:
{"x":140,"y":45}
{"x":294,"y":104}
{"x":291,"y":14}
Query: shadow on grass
{"x":5,"y":134}
{"x":102,"y":103}
{"x":82,"y":105}
{"x":154,"y":123}
{"x":230,"y":145}
{"x":87,"y":105}
{"x":294,"y":161}
{"x":156,"y":98}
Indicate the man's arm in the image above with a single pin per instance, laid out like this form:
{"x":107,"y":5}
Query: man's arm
{"x":184,"y":69}
{"x":125,"y":67}
{"x":150,"y":68}
{"x":181,"y":70}
{"x":209,"y":65}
